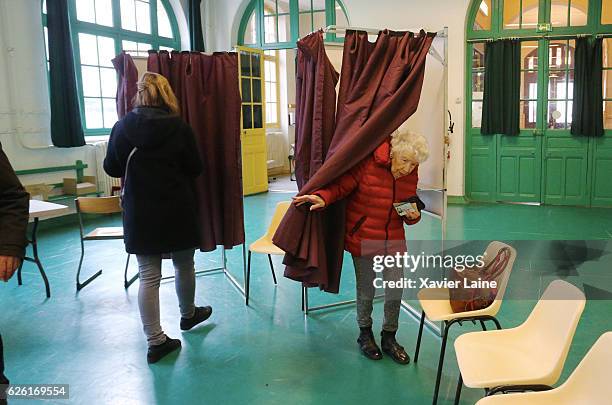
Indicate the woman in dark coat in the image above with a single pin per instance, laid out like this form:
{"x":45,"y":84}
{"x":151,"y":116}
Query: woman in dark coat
{"x":156,"y":154}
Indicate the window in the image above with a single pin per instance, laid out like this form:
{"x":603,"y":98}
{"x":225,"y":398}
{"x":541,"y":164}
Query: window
{"x":521,"y":14}
{"x":483,"y":16}
{"x":278,"y":24}
{"x":569,"y":13}
{"x":272,"y":87}
{"x":100,"y":30}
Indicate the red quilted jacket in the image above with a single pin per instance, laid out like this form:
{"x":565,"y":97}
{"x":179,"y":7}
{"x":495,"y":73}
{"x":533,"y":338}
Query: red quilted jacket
{"x":371,"y":190}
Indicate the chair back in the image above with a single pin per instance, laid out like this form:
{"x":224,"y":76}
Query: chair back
{"x":279,"y":213}
{"x":490,"y":253}
{"x":551,"y":325}
{"x":590,"y":381}
{"x":98,"y":205}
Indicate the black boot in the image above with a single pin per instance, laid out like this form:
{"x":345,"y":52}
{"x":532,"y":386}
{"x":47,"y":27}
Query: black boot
{"x":200,"y":315}
{"x":393,"y":349}
{"x":368,"y":345}
{"x":157,"y":352}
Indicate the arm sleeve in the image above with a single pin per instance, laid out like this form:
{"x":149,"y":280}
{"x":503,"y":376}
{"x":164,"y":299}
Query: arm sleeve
{"x":343,"y":186}
{"x":14,"y":211}
{"x":192,"y":164}
{"x":112,"y":163}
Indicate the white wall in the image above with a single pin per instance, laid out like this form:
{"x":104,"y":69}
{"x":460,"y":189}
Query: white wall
{"x":223,"y":18}
{"x":24,"y":98}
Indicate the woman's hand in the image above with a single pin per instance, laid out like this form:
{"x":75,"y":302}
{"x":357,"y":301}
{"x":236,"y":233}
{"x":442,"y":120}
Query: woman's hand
{"x":412,"y":215}
{"x":316,"y":201}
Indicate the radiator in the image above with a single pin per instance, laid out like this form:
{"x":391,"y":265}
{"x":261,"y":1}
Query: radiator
{"x":277,"y":150}
{"x":105,"y":182}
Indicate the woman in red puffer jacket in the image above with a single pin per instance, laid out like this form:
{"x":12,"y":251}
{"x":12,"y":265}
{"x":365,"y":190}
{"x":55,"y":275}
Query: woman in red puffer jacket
{"x":388,"y":176}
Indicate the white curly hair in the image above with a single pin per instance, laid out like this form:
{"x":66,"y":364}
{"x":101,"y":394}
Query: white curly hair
{"x":409,"y":143}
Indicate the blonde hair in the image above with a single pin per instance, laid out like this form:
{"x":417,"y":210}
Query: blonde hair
{"x":155,"y":91}
{"x":410,"y":143}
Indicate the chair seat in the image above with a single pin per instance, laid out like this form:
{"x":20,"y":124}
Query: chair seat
{"x":553,"y":397}
{"x":503,"y":357}
{"x":265,"y":245}
{"x":435,"y":302}
{"x":110,"y":232}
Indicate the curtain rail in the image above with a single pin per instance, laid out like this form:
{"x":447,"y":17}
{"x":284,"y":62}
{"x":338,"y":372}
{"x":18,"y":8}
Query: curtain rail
{"x":375,"y":31}
{"x":533,"y":38}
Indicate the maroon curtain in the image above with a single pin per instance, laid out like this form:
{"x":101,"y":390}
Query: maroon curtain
{"x":380,"y":87}
{"x":316,"y":81}
{"x":127,"y":84}
{"x":207,"y":89}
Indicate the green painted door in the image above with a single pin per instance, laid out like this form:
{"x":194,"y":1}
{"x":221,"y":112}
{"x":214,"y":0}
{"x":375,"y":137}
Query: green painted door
{"x":601,"y":194}
{"x":566,"y":170}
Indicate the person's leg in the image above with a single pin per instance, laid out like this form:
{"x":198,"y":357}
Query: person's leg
{"x":3,"y":380}
{"x":149,"y":269}
{"x":185,"y":290}
{"x":393,"y":301}
{"x":364,"y":276}
{"x":364,"y":279}
{"x":184,"y":281}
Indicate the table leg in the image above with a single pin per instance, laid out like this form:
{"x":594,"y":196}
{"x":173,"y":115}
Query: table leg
{"x":36,"y":260}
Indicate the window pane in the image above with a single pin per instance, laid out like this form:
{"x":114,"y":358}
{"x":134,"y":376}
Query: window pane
{"x":342,"y":21}
{"x":319,"y":20}
{"x":256,"y":83}
{"x":256,"y":62}
{"x":257,"y":116}
{"x":304,"y":5}
{"x":478,"y":55}
{"x":271,"y":113}
{"x":250,"y":32}
{"x":91,"y":81}
{"x":556,"y":114}
{"x":246,"y":90}
{"x":607,"y":52}
{"x":269,"y":7}
{"x":528,"y":114}
{"x":305,"y":24}
{"x":318,"y":5}
{"x":270,"y":71}
{"x":530,"y":14}
{"x":88,"y":49}
{"x":476,"y":114}
{"x":557,"y":83}
{"x":283,"y":28}
{"x":247,"y":117}
{"x":529,"y":85}
{"x":44,"y":7}
{"x":164,"y":28}
{"x":143,"y":16}
{"x":606,"y":12}
{"x":245,"y":64}
{"x":106,"y":49}
{"x":93,"y":113}
{"x":104,"y":12}
{"x":110,"y":112}
{"x":512,"y":10}
{"x":46,"y":33}
{"x":128,"y":15}
{"x":483,"y":16}
{"x":558,"y":13}
{"x":86,"y":10}
{"x":579,"y":11}
{"x":109,"y":82}
{"x":477,"y":85}
{"x":608,"y":115}
{"x":271,"y":92}
{"x":559,"y":54}
{"x":529,"y":54}
{"x":607,"y":83}
{"x":270,"y":29}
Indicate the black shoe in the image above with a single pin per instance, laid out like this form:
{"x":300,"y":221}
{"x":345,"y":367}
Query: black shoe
{"x":392,"y":348}
{"x":157,"y":352}
{"x":367,"y":344}
{"x":200,"y":315}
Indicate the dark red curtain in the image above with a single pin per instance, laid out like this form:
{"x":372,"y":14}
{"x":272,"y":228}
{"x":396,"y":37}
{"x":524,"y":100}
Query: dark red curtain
{"x":127,"y":86}
{"x":316,"y":81}
{"x":380,"y":88}
{"x":209,"y":96}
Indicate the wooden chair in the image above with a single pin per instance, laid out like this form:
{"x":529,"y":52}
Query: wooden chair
{"x":265,"y":245}
{"x":99,"y":205}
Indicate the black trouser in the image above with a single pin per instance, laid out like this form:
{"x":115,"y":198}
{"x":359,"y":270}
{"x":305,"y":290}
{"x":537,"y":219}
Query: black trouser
{"x":3,"y":379}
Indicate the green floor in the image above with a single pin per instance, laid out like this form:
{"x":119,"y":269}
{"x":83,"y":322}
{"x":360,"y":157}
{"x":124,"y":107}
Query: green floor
{"x":268,"y":353}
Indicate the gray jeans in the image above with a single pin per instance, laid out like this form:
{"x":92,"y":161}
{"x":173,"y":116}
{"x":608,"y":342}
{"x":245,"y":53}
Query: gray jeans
{"x":365,"y":275}
{"x":149,"y":269}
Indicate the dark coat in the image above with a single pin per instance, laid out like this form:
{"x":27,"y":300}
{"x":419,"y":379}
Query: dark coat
{"x":159,"y":201}
{"x":14,"y":211}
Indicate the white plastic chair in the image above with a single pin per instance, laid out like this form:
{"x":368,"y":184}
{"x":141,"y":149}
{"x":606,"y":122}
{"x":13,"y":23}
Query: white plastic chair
{"x":589,"y":384}
{"x":529,"y":357}
{"x":436,"y":306}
